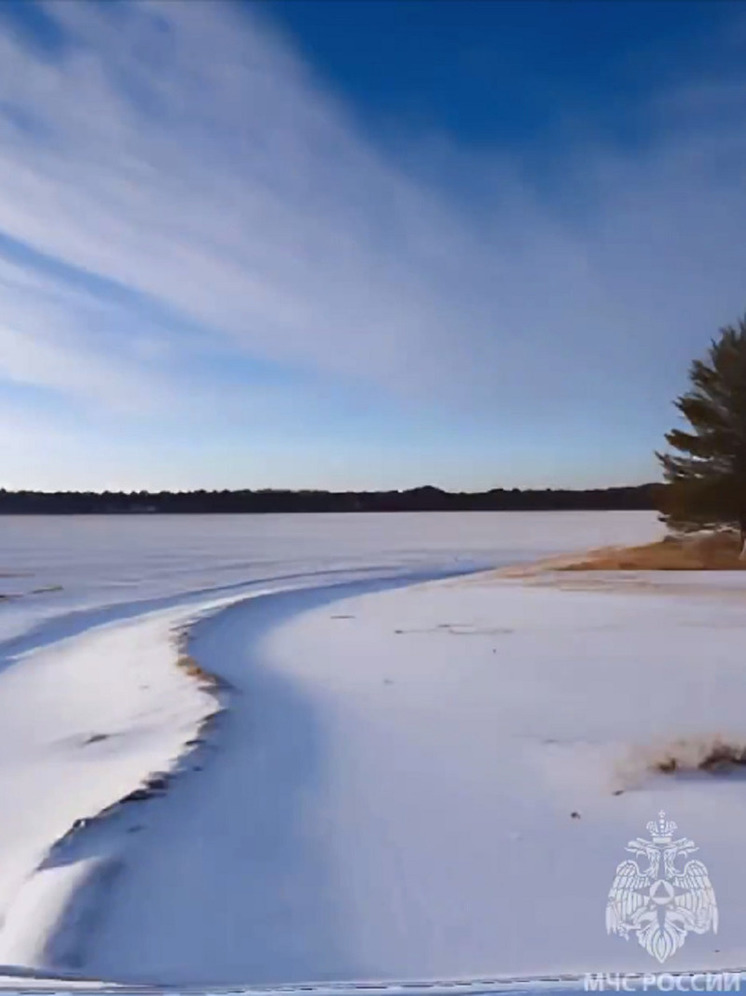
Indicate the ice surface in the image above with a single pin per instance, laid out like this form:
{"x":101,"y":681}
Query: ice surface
{"x":60,"y":563}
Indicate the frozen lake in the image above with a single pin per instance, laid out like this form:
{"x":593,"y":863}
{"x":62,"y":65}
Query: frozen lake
{"x":59,"y":564}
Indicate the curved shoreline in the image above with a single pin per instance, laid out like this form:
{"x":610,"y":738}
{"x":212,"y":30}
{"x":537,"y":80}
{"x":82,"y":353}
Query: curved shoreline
{"x":228,"y":643}
{"x":399,"y":774}
{"x":47,"y":919}
{"x":208,"y":868}
{"x":112,"y":737}
{"x":50,"y":918}
{"x":63,"y":759}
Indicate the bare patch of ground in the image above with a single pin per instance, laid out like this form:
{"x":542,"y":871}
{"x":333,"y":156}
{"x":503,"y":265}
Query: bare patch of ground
{"x":714,"y":756}
{"x":698,"y":756}
{"x":716,"y":551}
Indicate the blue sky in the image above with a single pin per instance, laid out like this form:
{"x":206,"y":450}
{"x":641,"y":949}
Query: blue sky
{"x":364,"y":244}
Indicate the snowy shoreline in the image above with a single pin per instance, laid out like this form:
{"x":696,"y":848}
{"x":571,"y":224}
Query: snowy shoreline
{"x":265,"y":864}
{"x":98,"y":740}
{"x":166,"y":717}
{"x":413,"y":808}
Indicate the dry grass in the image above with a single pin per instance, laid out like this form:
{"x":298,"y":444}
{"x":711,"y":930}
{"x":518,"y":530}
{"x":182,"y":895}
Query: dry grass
{"x":190,"y":666}
{"x":716,"y":756}
{"x":704,"y":552}
{"x":205,"y":679}
{"x":708,"y":552}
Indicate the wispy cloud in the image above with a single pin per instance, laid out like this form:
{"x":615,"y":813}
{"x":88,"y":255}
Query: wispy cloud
{"x":210,"y":196}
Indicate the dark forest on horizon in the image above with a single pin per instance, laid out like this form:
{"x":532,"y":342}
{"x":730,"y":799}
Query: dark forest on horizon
{"x":424,"y":499}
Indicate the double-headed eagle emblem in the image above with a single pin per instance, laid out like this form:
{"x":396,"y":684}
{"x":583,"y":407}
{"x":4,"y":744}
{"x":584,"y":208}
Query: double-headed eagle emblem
{"x":661,"y":902}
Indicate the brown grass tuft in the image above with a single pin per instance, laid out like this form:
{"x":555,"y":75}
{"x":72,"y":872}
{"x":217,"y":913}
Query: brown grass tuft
{"x":194,"y":670}
{"x":715,"y":756}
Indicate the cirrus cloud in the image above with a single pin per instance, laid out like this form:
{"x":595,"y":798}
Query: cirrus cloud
{"x":183,"y":187}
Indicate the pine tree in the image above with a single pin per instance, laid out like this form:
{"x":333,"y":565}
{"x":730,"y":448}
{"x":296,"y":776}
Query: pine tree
{"x":707,"y":477}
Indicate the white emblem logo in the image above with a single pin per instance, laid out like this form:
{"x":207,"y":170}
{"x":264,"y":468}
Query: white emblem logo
{"x":660,"y":902}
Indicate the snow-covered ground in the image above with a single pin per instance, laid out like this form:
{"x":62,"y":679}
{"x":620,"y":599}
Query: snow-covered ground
{"x":389,"y":793}
{"x":393,"y":791}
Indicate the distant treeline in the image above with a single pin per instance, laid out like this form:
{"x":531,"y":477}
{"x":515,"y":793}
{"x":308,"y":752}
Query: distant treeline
{"x":426,"y":499}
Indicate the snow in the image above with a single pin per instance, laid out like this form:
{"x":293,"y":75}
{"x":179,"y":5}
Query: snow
{"x":85,"y":720}
{"x":388,"y":794}
{"x":393,"y":794}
